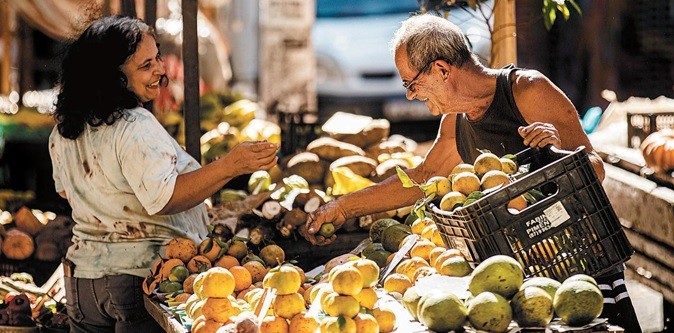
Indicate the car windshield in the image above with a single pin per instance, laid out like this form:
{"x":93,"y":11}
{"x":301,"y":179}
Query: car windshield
{"x":347,"y":8}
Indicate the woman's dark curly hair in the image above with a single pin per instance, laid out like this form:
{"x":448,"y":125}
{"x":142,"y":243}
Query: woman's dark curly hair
{"x":93,"y":88}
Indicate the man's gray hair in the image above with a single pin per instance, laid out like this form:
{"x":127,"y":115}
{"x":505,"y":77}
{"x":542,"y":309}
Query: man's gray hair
{"x":428,"y":37}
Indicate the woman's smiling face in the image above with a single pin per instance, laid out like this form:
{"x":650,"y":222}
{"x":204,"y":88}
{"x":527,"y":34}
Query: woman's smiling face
{"x":144,"y":69}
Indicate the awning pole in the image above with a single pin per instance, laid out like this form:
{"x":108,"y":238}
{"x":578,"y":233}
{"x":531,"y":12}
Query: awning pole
{"x":191,"y":74}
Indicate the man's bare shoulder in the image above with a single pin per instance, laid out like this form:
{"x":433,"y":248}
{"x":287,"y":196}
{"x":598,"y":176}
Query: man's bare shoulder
{"x":526,"y":79}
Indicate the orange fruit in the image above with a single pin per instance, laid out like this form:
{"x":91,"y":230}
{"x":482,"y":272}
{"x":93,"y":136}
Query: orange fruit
{"x":210,"y":249}
{"x":301,"y":323}
{"x":335,"y":305}
{"x":198,"y":264}
{"x":256,"y":269}
{"x":273,"y":324}
{"x":449,"y":253}
{"x":434,"y":254}
{"x":242,"y":278}
{"x":181,"y":248}
{"x":219,"y":309}
{"x":226,"y":261}
{"x":369,"y":270}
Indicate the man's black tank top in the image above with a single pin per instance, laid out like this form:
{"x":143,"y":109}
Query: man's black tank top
{"x":496,"y":131}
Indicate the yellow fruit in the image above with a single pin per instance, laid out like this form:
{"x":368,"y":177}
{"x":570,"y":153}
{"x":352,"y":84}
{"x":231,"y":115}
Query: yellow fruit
{"x":196,"y":309}
{"x":287,"y":306}
{"x":442,"y":311}
{"x":206,"y":326}
{"x":434,"y":254}
{"x":499,"y":274}
{"x":249,"y":295}
{"x":198,"y":284}
{"x":217,"y":282}
{"x":449,"y":253}
{"x":337,"y":325}
{"x":419,"y":224}
{"x":237,"y":249}
{"x":532,"y":307}
{"x":578,"y":302}
{"x":191,"y":301}
{"x":465,"y":183}
{"x":315,"y":290}
{"x":549,"y":285}
{"x":366,"y":323}
{"x":367,"y":298}
{"x":284,"y":278}
{"x":413,"y":265}
{"x":422,"y":249}
{"x":181,"y":248}
{"x":272,"y":324}
{"x":494,"y":178}
{"x":242,"y":278}
{"x":455,"y":266}
{"x":437,"y":185}
{"x":346,"y":280}
{"x":486,"y":162}
{"x":462,"y":167}
{"x":369,"y":271}
{"x":273,"y":255}
{"x":519,"y":203}
{"x":226,"y":261}
{"x":422,"y":272}
{"x":508,"y":166}
{"x":219,"y":309}
{"x":410,"y":300}
{"x":436,"y":238}
{"x":386,"y":319}
{"x":428,"y":232}
{"x":489,"y":312}
{"x":302,"y":323}
{"x":335,"y":305}
{"x":452,"y":200}
{"x":397,"y":282}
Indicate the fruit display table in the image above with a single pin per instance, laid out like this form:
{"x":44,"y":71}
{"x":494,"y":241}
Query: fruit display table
{"x":165,"y":319}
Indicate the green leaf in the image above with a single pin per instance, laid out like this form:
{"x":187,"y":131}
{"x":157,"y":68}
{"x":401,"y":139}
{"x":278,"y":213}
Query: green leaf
{"x":565,"y":11}
{"x":404,"y":178}
{"x":549,"y":19}
{"x":511,"y":157}
{"x":575,"y":6}
{"x":341,"y":322}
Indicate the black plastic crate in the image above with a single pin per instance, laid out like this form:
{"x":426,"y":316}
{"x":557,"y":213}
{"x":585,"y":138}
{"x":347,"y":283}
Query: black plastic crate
{"x":572,"y":230}
{"x":640,"y":125}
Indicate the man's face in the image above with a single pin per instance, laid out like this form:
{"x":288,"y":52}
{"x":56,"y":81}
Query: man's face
{"x":144,"y":69}
{"x":417,"y":82}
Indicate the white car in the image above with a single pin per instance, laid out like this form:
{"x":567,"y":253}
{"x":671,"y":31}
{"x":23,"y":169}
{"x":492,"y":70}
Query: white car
{"x":355,"y":68}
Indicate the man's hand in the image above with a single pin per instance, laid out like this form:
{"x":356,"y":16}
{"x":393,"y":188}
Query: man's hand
{"x":539,"y":135}
{"x":328,"y":213}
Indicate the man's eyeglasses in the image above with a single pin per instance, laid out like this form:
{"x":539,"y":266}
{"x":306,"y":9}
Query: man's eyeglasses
{"x":409,"y":85}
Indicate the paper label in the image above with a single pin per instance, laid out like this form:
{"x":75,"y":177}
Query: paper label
{"x":552,"y":217}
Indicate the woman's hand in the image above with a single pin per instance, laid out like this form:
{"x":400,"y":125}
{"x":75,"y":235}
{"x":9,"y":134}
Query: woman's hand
{"x":539,"y":135}
{"x":328,"y":213}
{"x":250,"y":156}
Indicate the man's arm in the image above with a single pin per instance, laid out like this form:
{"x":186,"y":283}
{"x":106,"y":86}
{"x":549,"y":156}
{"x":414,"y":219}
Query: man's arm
{"x":539,"y":100}
{"x":388,"y":194}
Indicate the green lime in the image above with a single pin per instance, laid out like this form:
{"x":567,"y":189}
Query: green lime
{"x":327,"y":230}
{"x":178,"y":274}
{"x":169,"y":286}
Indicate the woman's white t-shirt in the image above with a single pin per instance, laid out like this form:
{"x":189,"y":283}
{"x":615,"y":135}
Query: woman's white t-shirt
{"x":116,"y":179}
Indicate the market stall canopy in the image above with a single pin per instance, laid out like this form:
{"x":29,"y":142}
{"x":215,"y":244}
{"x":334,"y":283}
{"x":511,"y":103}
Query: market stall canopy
{"x":60,"y":19}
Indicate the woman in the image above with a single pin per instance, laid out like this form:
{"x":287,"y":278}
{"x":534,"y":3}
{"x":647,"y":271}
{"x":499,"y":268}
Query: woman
{"x":130,"y":185}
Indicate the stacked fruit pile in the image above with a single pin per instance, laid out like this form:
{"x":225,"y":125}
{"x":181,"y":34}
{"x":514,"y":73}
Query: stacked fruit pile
{"x":31,"y":233}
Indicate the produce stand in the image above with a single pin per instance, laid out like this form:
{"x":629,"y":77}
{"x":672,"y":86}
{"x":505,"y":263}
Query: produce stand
{"x":165,"y":319}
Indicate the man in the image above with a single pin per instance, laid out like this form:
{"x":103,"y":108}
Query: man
{"x":501,"y":110}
